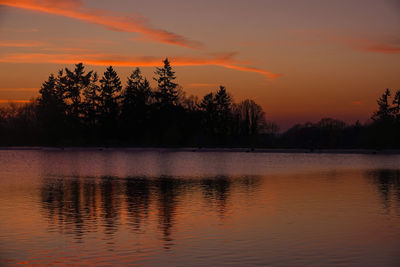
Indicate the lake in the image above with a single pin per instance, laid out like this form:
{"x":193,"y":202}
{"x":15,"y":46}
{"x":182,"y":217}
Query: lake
{"x":165,"y":208}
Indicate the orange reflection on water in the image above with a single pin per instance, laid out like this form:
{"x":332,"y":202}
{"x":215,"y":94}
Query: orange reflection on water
{"x":303,"y":217}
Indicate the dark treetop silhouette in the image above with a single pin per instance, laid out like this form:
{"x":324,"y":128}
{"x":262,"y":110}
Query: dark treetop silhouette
{"x":77,"y":108}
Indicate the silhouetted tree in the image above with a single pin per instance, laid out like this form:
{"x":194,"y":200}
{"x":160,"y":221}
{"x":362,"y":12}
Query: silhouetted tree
{"x":250,"y":120}
{"x":110,"y":94}
{"x":327,"y":133}
{"x":208,"y":108}
{"x":75,"y":82}
{"x":51,"y":110}
{"x":191,"y":103}
{"x":74,"y":108}
{"x":208,"y":104}
{"x":91,"y":102}
{"x":396,"y":106}
{"x":385,"y":130}
{"x":136,"y":100}
{"x":166,"y":94}
{"x":331,"y":132}
{"x":223,"y":102}
{"x":384,"y":112}
{"x":169,"y":117}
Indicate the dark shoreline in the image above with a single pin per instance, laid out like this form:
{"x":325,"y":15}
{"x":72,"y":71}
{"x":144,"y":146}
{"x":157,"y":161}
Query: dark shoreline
{"x":188,"y":149}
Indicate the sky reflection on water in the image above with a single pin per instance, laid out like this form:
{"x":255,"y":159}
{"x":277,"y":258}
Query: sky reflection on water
{"x":180,"y":209}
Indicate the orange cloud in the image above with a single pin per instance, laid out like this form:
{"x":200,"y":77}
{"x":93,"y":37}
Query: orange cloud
{"x":269,"y":75}
{"x":381,"y":48}
{"x":23,"y":89}
{"x":223,"y":60}
{"x":357,"y":103}
{"x":19,"y":30}
{"x":75,"y":9}
{"x":65,"y":49}
{"x":18,"y":101}
{"x":202,"y":85}
{"x":21,"y":44}
{"x":372,"y":46}
{"x":41,"y":46}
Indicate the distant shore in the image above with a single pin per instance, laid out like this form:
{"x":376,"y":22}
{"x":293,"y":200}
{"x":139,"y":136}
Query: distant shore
{"x":188,"y":149}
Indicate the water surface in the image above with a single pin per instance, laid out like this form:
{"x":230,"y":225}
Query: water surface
{"x":154,"y":208}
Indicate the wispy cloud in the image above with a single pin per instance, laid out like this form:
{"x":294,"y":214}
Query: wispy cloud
{"x":112,"y":21}
{"x":19,"y":30}
{"x":268,"y":74}
{"x":21,"y":43}
{"x":223,"y":60}
{"x":19,"y":89}
{"x":356,"y":103}
{"x":17,"y":101}
{"x":192,"y":85}
{"x":386,"y":45}
{"x":380,"y":48}
{"x":65,"y":49}
{"x":42,"y":46}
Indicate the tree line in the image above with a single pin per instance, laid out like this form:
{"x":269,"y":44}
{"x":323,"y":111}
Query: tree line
{"x":382,"y":131}
{"x":79,"y":108}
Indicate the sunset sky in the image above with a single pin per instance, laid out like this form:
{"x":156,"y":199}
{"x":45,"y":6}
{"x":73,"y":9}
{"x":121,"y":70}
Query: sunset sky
{"x":300,"y":60}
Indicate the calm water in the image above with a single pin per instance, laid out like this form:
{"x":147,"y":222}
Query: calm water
{"x":198,"y":209}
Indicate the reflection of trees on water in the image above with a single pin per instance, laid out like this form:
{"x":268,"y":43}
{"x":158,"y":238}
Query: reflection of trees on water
{"x":388,"y":185}
{"x":216,"y":191}
{"x":111,"y":206}
{"x":78,"y":206}
{"x":168,"y":190}
{"x":137,"y":193}
{"x":69,"y":204}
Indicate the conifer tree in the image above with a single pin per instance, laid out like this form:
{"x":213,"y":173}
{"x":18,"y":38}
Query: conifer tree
{"x":207,"y":104}
{"x":223,"y":103}
{"x":384,"y":112}
{"x":91,"y":101}
{"x":208,"y":108}
{"x":396,"y":105}
{"x":136,"y":100}
{"x":167,"y":94}
{"x":51,"y":108}
{"x":75,"y":82}
{"x":48,"y":93}
{"x":109,"y":97}
{"x":137,"y":92}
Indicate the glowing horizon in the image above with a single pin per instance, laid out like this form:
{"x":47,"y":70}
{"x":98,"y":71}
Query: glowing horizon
{"x":299,"y":61}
